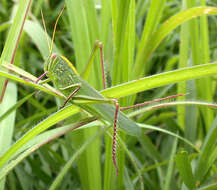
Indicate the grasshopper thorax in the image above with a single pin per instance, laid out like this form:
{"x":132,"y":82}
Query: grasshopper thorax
{"x":60,"y":71}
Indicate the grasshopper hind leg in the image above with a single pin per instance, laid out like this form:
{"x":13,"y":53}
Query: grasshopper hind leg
{"x":114,"y":138}
{"x":115,"y":101}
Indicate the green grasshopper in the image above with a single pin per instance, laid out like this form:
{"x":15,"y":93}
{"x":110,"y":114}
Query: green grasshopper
{"x":66,"y":79}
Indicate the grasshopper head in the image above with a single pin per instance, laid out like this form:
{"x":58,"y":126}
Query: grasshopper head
{"x":49,"y":62}
{"x":57,"y":66}
{"x":60,"y":70}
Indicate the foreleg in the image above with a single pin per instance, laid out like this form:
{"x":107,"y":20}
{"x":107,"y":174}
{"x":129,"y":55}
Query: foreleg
{"x":77,"y":88}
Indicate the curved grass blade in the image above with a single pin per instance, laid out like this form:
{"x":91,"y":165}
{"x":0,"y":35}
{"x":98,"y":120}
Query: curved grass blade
{"x":39,"y":141}
{"x":13,"y":38}
{"x":45,"y":88}
{"x":184,"y":166}
{"x":158,"y":80}
{"x":170,"y":167}
{"x":205,"y":160}
{"x":157,"y":37}
{"x":68,"y":165}
{"x":8,"y":54}
{"x":145,"y":83}
{"x":38,"y":35}
{"x":17,"y":105}
{"x":170,"y":133}
{"x":175,"y":103}
{"x":42,"y":126}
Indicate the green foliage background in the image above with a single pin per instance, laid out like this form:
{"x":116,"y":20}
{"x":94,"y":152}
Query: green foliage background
{"x":152,"y":49}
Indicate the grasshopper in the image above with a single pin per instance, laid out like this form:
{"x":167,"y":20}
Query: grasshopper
{"x":66,"y":79}
{"x":77,"y":91}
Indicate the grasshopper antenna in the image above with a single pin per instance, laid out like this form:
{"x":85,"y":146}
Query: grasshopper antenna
{"x":50,"y":46}
{"x":45,"y":29}
{"x":54,"y":31}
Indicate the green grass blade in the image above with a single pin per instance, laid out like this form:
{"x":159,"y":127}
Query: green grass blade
{"x":205,"y":161}
{"x":68,"y":165}
{"x":109,"y":170}
{"x":105,"y":27}
{"x":183,"y":62}
{"x":16,"y":29}
{"x":119,"y":21}
{"x":124,"y":47}
{"x":12,"y":41}
{"x":165,"y":29}
{"x":152,"y":21}
{"x":7,"y":125}
{"x":191,"y":125}
{"x":148,"y":82}
{"x":170,"y":166}
{"x":85,"y":31}
{"x":38,"y":35}
{"x":160,"y":80}
{"x":209,"y":187}
{"x":8,"y":54}
{"x":42,"y":126}
{"x":39,"y":141}
{"x":206,"y":84}
{"x":49,"y":90}
{"x":14,"y":107}
{"x":171,"y":134}
{"x":185,"y":170}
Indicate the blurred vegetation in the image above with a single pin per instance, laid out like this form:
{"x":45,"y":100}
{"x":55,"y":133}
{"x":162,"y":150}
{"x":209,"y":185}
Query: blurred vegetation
{"x":177,"y":149}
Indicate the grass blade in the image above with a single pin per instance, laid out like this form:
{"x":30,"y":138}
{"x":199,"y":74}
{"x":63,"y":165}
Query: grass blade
{"x":185,"y":170}
{"x":160,"y":80}
{"x":205,"y":161}
{"x":8,"y":54}
{"x":165,"y":29}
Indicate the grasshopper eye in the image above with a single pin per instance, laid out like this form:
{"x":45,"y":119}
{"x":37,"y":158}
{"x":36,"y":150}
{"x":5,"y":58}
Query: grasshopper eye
{"x":53,"y":56}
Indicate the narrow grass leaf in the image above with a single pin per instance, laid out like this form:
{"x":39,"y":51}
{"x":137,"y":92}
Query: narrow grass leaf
{"x":7,"y":125}
{"x":158,"y":80}
{"x":183,"y":62}
{"x":38,"y":36}
{"x":67,"y":166}
{"x":14,"y":107}
{"x":209,"y":187}
{"x":51,"y":91}
{"x":85,"y":31}
{"x":185,"y":170}
{"x":171,"y":134}
{"x":206,"y":84}
{"x":205,"y":161}
{"x":39,"y":141}
{"x":165,"y":29}
{"x":191,"y":125}
{"x":153,"y":18}
{"x":170,"y":166}
{"x":14,"y":34}
{"x":42,"y":126}
{"x":8,"y":54}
